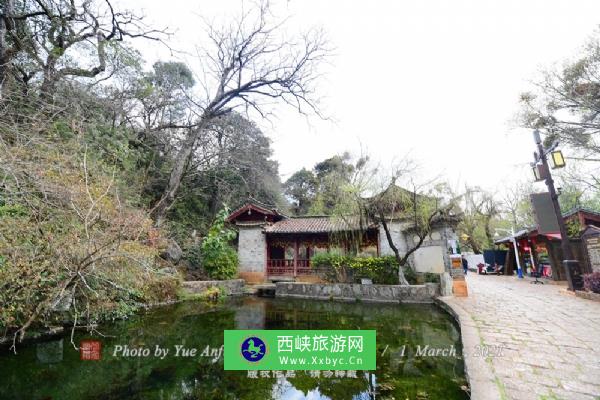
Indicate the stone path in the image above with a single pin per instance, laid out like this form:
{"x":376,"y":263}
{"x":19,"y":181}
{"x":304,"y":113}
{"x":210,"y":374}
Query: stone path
{"x":550,"y":340}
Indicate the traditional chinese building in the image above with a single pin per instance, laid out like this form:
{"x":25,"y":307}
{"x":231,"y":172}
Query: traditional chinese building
{"x":543,"y":251}
{"x":273,"y":246}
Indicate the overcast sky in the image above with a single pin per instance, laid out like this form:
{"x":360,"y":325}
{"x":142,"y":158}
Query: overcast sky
{"x":435,"y":79}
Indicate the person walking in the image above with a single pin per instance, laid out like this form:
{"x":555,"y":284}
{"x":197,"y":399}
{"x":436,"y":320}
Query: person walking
{"x":465,"y":264}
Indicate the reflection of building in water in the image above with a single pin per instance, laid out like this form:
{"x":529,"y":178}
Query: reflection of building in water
{"x":251,"y":315}
{"x":279,"y":318}
{"x":49,"y":352}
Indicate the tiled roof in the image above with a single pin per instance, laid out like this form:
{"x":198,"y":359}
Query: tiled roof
{"x":253,"y":206}
{"x":584,"y":210}
{"x":249,"y":223}
{"x":317,"y":224}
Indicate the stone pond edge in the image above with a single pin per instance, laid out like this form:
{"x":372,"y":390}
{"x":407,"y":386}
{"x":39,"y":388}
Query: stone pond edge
{"x":479,"y":373}
{"x":358,"y":292}
{"x":231,"y":286}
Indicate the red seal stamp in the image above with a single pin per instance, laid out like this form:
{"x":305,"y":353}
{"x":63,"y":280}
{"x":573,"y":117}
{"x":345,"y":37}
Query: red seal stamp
{"x":90,"y":350}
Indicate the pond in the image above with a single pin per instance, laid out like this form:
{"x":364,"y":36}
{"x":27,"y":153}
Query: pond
{"x":53,"y":370}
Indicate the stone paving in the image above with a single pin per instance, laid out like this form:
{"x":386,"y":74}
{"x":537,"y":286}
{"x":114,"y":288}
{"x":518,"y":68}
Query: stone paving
{"x":549,"y":340}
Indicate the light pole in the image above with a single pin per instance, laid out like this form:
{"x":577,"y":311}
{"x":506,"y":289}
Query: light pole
{"x":542,"y":172}
{"x":513,"y":239}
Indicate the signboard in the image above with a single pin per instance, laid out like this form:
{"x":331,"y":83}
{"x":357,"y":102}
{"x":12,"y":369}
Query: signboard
{"x":456,"y":262}
{"x":593,"y":249}
{"x":543,"y":210}
{"x":300,"y":350}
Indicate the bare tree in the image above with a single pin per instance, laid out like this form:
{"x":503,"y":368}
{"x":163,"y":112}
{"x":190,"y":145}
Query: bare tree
{"x":376,"y":197}
{"x":480,"y":211}
{"x":565,"y":105}
{"x":249,"y":66}
{"x":45,"y":38}
{"x":516,"y":205}
{"x":420,"y":212}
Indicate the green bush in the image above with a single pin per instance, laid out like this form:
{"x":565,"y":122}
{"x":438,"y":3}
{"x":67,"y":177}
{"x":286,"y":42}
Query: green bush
{"x":431,"y":278}
{"x":332,"y":259}
{"x":219,"y":258}
{"x":333,"y":266}
{"x":381,"y":270}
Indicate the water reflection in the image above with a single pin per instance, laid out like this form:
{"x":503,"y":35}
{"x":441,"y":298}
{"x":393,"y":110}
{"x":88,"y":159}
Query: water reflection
{"x":53,"y":369}
{"x":251,"y":314}
{"x":49,"y":352}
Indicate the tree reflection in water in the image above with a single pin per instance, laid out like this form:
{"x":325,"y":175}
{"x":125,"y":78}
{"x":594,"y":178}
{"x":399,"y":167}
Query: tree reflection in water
{"x":52,"y":369}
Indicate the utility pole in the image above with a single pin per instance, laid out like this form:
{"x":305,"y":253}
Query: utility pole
{"x":570,"y":264}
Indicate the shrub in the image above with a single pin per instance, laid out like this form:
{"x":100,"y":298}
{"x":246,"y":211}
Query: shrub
{"x":335,"y":260}
{"x":410,"y":275}
{"x":161,"y":289}
{"x":71,"y":245}
{"x":381,"y":270}
{"x":431,"y":278}
{"x":334,"y":266}
{"x":591,"y":282}
{"x":219,"y":258}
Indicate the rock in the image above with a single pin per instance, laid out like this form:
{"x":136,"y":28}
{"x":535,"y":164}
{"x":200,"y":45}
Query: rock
{"x":49,"y":352}
{"x":168,"y":271}
{"x":446,"y":284}
{"x":172,"y":253}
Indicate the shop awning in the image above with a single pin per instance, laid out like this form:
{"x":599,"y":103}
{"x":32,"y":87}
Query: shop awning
{"x":553,"y":235}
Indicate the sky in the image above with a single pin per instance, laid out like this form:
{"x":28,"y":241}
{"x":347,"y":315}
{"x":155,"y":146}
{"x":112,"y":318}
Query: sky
{"x":434,"y":80}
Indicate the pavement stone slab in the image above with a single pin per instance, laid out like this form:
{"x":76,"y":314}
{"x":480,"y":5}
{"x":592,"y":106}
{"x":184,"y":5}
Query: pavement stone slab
{"x":551,"y":340}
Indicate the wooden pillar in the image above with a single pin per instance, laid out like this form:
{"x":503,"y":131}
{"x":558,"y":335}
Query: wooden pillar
{"x":510,"y":260}
{"x":535,"y":261}
{"x":268,"y":253}
{"x":295,"y":257}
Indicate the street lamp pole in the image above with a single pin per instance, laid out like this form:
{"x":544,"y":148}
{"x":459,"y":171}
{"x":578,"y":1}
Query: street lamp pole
{"x":568,"y":259}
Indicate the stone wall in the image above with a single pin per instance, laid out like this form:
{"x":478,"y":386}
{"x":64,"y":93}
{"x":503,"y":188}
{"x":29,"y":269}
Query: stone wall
{"x":347,"y":291}
{"x":252,"y":253}
{"x":232,"y":286}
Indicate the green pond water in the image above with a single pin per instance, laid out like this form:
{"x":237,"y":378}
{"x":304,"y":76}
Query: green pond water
{"x":52,"y":369}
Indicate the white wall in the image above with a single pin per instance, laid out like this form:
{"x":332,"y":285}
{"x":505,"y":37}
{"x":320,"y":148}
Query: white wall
{"x":429,"y":259}
{"x":252,"y":249}
{"x":396,"y":231}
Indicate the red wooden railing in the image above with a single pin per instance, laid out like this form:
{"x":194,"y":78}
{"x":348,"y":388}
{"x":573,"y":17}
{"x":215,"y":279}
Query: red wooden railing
{"x":288,"y":267}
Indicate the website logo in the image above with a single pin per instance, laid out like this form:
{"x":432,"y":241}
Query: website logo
{"x":275,"y":350}
{"x":253,"y":349}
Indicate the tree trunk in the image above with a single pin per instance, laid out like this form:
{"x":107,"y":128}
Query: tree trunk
{"x":414,"y":248}
{"x":474,"y":245}
{"x":488,"y":232}
{"x":4,"y":50}
{"x":49,"y":77}
{"x":401,"y":278}
{"x":181,"y":162}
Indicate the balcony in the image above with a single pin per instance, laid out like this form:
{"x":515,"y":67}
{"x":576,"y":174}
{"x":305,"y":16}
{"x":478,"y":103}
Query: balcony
{"x":288,"y":267}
